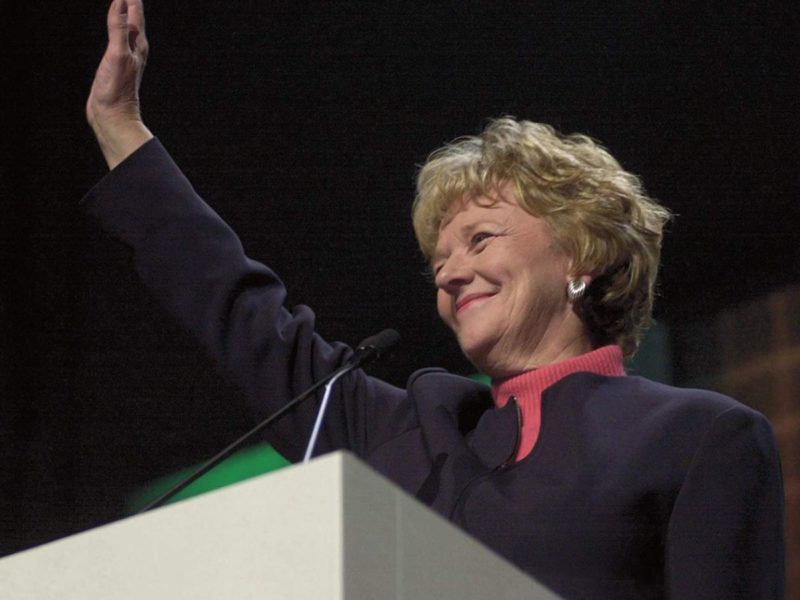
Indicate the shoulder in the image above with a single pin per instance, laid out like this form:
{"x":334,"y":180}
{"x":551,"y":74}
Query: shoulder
{"x":640,"y":405}
{"x":436,"y":393}
{"x":633,"y":393}
{"x":438,"y":377}
{"x":438,"y":386}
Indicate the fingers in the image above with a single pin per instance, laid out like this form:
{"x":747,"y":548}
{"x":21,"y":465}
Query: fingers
{"x":117,"y":22}
{"x":136,"y":25}
{"x":136,"y":14}
{"x":126,"y":26}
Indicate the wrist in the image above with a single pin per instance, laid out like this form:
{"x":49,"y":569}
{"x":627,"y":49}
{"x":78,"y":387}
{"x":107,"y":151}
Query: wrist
{"x":118,"y":140}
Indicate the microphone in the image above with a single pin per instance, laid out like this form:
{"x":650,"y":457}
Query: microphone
{"x":368,"y":350}
{"x":372,"y":348}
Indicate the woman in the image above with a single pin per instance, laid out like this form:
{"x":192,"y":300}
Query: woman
{"x":545,"y":254}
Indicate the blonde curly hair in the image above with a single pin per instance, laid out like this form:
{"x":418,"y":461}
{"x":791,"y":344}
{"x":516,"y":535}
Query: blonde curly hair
{"x":599,"y":214}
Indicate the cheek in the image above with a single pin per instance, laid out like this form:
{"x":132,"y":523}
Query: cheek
{"x":443,"y":302}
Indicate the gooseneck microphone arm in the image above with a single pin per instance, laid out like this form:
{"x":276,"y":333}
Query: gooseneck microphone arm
{"x":326,"y":396}
{"x":370,"y":349}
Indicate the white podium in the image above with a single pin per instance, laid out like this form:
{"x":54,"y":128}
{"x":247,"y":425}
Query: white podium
{"x":333,"y":529}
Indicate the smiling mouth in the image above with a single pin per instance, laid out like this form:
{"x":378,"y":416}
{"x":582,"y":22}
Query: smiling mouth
{"x":469,"y":300}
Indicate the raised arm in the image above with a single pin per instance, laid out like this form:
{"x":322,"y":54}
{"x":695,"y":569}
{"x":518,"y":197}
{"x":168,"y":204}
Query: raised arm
{"x":196,"y":267}
{"x":112,"y":108}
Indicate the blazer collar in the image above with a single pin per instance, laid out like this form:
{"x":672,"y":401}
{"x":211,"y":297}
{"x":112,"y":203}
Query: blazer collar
{"x":457,"y":415}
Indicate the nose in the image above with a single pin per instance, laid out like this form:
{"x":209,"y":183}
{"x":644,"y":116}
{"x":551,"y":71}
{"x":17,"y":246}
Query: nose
{"x":453,"y":274}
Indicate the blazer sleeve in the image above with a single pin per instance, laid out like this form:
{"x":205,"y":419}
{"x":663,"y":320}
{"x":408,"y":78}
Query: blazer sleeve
{"x":196,"y":267}
{"x":725,"y":535}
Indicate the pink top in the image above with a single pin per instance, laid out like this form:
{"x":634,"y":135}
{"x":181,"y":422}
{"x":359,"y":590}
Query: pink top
{"x":527,"y":388}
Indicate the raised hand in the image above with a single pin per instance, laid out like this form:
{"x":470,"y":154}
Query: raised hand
{"x":112,"y":108}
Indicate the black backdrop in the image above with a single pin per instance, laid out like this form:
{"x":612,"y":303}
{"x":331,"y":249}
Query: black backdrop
{"x":302,"y":123}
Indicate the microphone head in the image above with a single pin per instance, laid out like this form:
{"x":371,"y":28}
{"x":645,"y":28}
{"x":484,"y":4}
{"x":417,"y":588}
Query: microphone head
{"x":374,"y":346}
{"x":381,"y":342}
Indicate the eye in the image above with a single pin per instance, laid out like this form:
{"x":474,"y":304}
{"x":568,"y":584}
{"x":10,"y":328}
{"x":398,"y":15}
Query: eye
{"x":480,"y":237}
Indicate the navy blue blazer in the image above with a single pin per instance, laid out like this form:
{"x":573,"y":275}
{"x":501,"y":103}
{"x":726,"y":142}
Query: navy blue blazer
{"x":633,"y":490}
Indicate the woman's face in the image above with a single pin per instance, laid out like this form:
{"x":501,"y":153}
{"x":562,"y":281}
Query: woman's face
{"x":502,"y":288}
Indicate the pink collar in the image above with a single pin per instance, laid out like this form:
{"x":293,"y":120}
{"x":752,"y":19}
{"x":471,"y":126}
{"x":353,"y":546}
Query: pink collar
{"x":527,"y":387}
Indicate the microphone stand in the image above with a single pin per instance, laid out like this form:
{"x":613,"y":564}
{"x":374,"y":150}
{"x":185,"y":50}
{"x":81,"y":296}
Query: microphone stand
{"x":370,"y":349}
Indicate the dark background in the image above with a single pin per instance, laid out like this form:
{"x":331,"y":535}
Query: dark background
{"x":302,"y":123}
